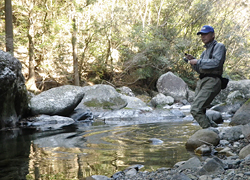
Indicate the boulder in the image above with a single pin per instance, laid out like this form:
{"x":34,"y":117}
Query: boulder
{"x":57,"y":101}
{"x":241,"y":116}
{"x":242,"y":86}
{"x":171,"y":85}
{"x":13,"y":92}
{"x":214,"y":116}
{"x":232,"y":103}
{"x":235,"y":97}
{"x":203,"y":136}
{"x":161,"y":100}
{"x":102,"y":97}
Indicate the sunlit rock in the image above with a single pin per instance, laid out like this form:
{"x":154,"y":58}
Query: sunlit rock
{"x":171,"y":85}
{"x":99,"y":97}
{"x":57,"y":101}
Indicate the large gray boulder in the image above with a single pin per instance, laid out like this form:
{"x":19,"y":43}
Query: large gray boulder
{"x":102,"y":97}
{"x":241,"y":117}
{"x":171,"y":85}
{"x":13,"y":92}
{"x":57,"y":101}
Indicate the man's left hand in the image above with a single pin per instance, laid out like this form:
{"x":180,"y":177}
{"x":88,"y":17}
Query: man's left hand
{"x":193,"y":61}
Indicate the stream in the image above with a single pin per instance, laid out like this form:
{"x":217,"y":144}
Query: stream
{"x":98,"y":149}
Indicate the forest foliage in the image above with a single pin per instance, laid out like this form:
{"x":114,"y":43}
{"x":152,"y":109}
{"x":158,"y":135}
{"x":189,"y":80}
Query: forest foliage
{"x":123,"y":42}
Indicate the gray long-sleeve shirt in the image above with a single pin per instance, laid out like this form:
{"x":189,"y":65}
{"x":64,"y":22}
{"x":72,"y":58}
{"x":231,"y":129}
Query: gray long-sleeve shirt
{"x":213,"y":65}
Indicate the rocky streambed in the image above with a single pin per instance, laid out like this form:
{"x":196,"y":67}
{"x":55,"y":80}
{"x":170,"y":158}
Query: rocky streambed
{"x":226,"y":161}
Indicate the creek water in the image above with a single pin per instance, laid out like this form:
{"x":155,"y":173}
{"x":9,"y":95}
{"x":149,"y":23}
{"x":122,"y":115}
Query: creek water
{"x":99,"y":149}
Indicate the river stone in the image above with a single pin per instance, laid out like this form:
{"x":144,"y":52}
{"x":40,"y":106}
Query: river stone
{"x":57,"y":101}
{"x":135,"y":103}
{"x":211,"y":167}
{"x":242,"y":86}
{"x":244,"y":152}
{"x":98,"y":177}
{"x":193,"y":163}
{"x":46,"y":122}
{"x":231,"y":133}
{"x":203,"y":150}
{"x":214,"y":116}
{"x":161,"y":100}
{"x":102,"y":97}
{"x":155,"y":141}
{"x":241,"y":117}
{"x":180,"y":176}
{"x":13,"y":92}
{"x":246,"y":131}
{"x":227,"y":108}
{"x":235,"y":97}
{"x":171,"y":85}
{"x":201,"y":137}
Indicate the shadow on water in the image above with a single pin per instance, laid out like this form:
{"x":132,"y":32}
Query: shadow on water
{"x":76,"y":153}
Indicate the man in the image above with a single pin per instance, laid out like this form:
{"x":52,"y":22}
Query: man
{"x":210,"y":68}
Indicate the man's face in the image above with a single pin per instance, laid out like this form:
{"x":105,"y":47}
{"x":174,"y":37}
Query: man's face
{"x":207,"y":37}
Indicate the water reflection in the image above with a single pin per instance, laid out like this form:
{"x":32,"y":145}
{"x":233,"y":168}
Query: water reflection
{"x":103,"y":150}
{"x":14,"y":154}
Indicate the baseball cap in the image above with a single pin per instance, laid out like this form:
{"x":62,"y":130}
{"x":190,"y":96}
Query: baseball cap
{"x":206,"y":29}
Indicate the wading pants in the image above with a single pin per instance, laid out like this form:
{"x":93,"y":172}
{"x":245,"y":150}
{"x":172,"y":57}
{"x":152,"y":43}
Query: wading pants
{"x":206,"y":90}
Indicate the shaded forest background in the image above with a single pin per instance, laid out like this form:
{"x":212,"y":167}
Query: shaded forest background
{"x":122,"y":42}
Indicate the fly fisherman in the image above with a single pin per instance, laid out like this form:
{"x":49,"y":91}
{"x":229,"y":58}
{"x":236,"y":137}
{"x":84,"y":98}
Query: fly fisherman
{"x":210,"y":69}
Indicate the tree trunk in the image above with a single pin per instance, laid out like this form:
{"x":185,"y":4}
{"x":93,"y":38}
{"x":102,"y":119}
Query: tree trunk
{"x":75,"y":59}
{"x":31,"y":82}
{"x":9,"y":27}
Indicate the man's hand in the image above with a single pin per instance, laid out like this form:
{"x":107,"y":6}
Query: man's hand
{"x":193,"y":61}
